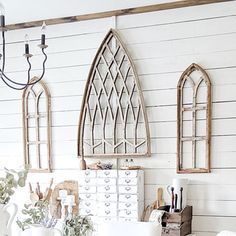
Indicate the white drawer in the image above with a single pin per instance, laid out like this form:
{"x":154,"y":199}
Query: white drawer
{"x":128,"y":198}
{"x":106,"y":205}
{"x":87,"y":189}
{"x":87,"y":173}
{"x":128,"y":205}
{"x":107,"y":173}
{"x":128,"y":173}
{"x":107,"y":197}
{"x":107,"y":212}
{"x":84,"y":204}
{"x":106,"y":219}
{"x":128,"y":181}
{"x":107,"y":189}
{"x":128,"y":189}
{"x":87,"y":196}
{"x":87,"y":181}
{"x":128,"y":219}
{"x":106,"y":181}
{"x":85,"y":212}
{"x":128,"y":214}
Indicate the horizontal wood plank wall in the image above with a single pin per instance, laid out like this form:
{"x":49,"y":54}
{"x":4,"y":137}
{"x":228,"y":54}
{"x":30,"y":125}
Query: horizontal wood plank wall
{"x":162,"y":45}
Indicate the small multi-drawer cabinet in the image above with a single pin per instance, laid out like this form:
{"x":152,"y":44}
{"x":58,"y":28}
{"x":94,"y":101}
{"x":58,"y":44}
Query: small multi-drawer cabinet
{"x":112,"y":195}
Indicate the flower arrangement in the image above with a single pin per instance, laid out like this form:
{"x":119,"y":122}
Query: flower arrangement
{"x":76,"y":225}
{"x":37,"y":213}
{"x":10,"y":182}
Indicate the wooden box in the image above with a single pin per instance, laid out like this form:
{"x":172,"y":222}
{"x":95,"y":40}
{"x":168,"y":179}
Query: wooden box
{"x":178,"y":223}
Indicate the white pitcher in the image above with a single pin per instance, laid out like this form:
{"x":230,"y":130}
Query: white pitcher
{"x":38,"y":230}
{"x":6,"y":218}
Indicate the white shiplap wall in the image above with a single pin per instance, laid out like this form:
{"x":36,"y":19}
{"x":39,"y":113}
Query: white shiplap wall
{"x":162,"y":45}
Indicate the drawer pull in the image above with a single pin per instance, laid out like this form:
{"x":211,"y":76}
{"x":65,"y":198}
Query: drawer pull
{"x":106,"y":173}
{"x":107,"y":204}
{"x":107,"y":212}
{"x":128,"y":204}
{"x":86,"y":172}
{"x":88,"y":195}
{"x":127,"y":219}
{"x":127,"y":196}
{"x":106,"y":180}
{"x":127,"y":181}
{"x":87,"y":204}
{"x":127,"y":172}
{"x":127,"y":188}
{"x":88,"y":211}
{"x":86,"y":188}
{"x":87,"y":180}
{"x":107,"y":188}
{"x":107,"y":195}
{"x":128,"y":212}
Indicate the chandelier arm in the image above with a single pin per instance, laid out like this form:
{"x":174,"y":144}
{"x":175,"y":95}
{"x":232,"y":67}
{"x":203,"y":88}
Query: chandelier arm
{"x":3,"y":50}
{"x":9,"y":85}
{"x":17,"y":83}
{"x":23,"y":84}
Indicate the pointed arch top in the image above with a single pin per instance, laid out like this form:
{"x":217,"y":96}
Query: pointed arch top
{"x":36,"y":114}
{"x":194,"y":112}
{"x":113,"y":120}
{"x":193,"y":67}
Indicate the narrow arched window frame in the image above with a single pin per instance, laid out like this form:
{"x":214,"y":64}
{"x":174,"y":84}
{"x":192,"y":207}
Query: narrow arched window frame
{"x":198,"y":130}
{"x":36,"y":114}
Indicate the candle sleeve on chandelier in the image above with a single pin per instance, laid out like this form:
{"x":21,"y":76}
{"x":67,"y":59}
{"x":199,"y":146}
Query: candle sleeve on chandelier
{"x":2,"y":16}
{"x":26,"y":44}
{"x":43,"y":30}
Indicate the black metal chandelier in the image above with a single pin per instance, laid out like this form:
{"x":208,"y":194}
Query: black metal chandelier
{"x":8,"y":81}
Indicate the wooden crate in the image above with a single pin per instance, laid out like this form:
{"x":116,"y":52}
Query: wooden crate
{"x":178,"y":223}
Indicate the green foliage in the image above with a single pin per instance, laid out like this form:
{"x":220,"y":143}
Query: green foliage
{"x":36,"y":214}
{"x":77,"y":226}
{"x":11,"y":181}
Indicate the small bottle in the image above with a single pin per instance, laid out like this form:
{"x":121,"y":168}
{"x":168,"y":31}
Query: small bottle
{"x":131,"y":162}
{"x":126,"y":164}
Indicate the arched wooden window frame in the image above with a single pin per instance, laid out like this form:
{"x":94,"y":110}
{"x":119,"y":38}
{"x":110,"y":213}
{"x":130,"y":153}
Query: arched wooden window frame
{"x":36,"y":116}
{"x":85,"y":108}
{"x":180,"y":109}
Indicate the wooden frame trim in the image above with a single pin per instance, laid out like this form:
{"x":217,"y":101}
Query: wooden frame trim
{"x":85,"y":108}
{"x":26,"y":127}
{"x":120,"y":12}
{"x":194,"y":67}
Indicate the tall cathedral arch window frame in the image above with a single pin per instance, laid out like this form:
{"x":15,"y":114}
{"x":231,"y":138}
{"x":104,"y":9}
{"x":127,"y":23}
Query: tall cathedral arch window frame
{"x":194,"y":113}
{"x":113,"y":120}
{"x":36,"y":112}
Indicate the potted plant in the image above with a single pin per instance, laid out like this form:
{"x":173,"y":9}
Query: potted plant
{"x":76,"y":225}
{"x":8,"y":184}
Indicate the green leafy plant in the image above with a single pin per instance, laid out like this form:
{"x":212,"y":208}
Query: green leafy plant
{"x":36,"y":214}
{"x":10,"y":182}
{"x":77,"y":225}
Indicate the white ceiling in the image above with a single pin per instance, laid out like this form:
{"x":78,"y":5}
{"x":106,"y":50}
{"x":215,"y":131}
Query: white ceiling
{"x":18,"y":11}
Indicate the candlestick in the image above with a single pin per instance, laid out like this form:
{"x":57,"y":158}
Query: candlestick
{"x":26,"y":44}
{"x":70,"y":200}
{"x":43,"y":30}
{"x":2,"y":16}
{"x":62,"y":193}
